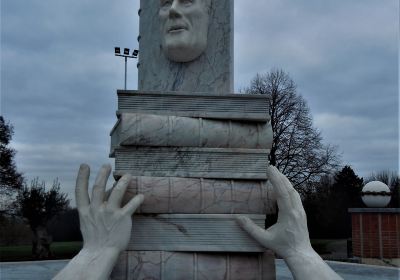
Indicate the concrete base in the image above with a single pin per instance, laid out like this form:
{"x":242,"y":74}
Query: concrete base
{"x":154,"y":265}
{"x":381,"y":262}
{"x":46,"y":270}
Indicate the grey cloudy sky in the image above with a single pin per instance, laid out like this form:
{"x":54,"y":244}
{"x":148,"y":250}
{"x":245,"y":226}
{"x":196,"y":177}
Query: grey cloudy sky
{"x":59,"y":75}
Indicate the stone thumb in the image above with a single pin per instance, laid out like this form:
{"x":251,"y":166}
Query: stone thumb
{"x":260,"y":235}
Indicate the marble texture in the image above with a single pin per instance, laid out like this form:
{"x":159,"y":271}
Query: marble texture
{"x":172,"y":131}
{"x":241,"y":107}
{"x":184,"y":28}
{"x":211,"y":72}
{"x":186,"y":138}
{"x":157,"y":265}
{"x":44,"y":270}
{"x":105,"y":226}
{"x":221,"y":163}
{"x":201,"y":196}
{"x":192,"y":233}
{"x":289,"y":237}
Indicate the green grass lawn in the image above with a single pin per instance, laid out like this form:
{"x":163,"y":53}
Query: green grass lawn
{"x":330,"y":246}
{"x":60,"y":250}
{"x":320,"y":245}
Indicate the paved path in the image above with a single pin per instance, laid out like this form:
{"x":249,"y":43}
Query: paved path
{"x":30,"y":270}
{"x":47,"y":269}
{"x":348,"y":271}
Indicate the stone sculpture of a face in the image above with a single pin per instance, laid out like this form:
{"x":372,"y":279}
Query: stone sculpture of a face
{"x":184,"y":28}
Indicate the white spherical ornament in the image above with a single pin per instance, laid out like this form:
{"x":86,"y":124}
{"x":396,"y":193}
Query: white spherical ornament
{"x":376,"y":194}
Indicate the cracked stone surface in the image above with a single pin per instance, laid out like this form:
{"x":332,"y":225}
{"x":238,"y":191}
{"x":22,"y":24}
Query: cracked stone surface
{"x":192,"y":233}
{"x":153,"y":265}
{"x":156,"y":130}
{"x":227,"y":163}
{"x":222,"y":106}
{"x":201,"y":196}
{"x":204,"y":153}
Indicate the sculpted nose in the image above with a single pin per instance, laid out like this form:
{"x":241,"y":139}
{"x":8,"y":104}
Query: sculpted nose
{"x":174,"y":11}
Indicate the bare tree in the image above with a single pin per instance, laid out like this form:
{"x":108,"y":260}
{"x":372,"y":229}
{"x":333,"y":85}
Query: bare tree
{"x":297,"y":149}
{"x":392,"y":179}
{"x":10,"y":179}
{"x":38,"y":207}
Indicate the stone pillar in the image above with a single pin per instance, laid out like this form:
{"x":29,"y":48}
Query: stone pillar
{"x":376,"y":233}
{"x":199,"y":155}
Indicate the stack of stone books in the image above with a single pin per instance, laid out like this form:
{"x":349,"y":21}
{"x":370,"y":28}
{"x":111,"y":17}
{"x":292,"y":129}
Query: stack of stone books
{"x":200,"y":160}
{"x":197,"y":152}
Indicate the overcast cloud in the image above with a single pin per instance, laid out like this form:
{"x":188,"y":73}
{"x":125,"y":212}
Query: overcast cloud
{"x":59,"y":75}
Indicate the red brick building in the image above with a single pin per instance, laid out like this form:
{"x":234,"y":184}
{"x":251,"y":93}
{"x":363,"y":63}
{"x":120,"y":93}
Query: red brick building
{"x":376,"y":232}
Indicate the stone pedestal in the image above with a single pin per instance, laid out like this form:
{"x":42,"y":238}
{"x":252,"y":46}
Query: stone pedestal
{"x":376,"y":233}
{"x":197,"y":152}
{"x":196,"y":177}
{"x":151,"y":265}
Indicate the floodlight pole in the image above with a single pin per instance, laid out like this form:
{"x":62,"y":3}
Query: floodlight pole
{"x":126,"y":70}
{"x":126,"y":56}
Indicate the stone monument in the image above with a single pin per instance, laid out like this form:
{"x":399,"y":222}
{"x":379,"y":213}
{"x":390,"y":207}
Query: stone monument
{"x":375,"y":228}
{"x":208,"y":23}
{"x":198,"y":152}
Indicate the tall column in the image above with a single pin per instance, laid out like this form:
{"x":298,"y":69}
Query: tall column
{"x":197,"y":152}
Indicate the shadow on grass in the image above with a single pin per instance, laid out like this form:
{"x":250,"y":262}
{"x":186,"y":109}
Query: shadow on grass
{"x":320,"y":246}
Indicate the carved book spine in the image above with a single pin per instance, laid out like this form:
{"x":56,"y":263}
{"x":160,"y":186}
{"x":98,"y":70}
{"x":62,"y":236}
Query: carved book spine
{"x":166,"y":195}
{"x":171,"y":131}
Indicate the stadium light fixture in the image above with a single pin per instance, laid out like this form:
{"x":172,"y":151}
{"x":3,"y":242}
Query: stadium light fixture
{"x":125,"y":55}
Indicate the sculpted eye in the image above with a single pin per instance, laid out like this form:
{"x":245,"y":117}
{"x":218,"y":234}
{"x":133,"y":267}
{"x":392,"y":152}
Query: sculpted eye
{"x":165,"y":3}
{"x":187,"y":2}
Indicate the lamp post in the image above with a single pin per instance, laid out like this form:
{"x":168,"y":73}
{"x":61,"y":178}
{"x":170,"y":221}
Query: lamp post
{"x":126,"y":55}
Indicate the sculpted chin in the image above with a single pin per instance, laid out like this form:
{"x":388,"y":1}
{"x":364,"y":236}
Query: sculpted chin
{"x":184,"y":28}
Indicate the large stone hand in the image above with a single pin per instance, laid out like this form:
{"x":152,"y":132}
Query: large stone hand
{"x":105,"y":226}
{"x":289,"y":236}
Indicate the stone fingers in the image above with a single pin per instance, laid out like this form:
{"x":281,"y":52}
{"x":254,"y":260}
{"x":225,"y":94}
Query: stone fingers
{"x":81,"y":187}
{"x":100,"y":185}
{"x":281,"y":187}
{"x":118,"y":192}
{"x":260,"y":235}
{"x":287,"y":197}
{"x":296,"y":201}
{"x":132,"y":205}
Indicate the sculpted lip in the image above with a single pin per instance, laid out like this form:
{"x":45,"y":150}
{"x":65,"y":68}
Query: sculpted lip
{"x":183,"y":27}
{"x":176,"y":28}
